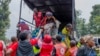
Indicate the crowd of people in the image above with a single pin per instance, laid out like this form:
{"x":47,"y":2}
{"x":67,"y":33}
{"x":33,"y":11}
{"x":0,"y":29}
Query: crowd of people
{"x":28,"y":46}
{"x":48,"y":42}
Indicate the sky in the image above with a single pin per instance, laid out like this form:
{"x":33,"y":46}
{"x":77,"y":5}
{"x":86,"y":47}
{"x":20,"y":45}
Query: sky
{"x":84,"y":5}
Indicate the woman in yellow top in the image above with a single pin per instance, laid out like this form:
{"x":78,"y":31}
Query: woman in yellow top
{"x":67,"y":31}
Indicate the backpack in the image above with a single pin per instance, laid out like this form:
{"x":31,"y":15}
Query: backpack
{"x":35,"y":32}
{"x":24,"y":49}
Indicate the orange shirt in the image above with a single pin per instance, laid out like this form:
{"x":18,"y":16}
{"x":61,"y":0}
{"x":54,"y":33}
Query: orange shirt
{"x":73,"y":51}
{"x":60,"y":49}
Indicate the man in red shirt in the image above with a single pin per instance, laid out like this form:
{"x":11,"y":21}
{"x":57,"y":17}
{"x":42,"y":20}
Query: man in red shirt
{"x":13,"y":41}
{"x":24,"y":46}
{"x":47,"y":46}
{"x":22,"y":26}
{"x":37,"y":16}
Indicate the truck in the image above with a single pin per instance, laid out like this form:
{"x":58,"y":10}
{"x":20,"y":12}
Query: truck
{"x":63,"y":10}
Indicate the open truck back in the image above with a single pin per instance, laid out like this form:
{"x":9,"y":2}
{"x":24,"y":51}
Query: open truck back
{"x":63,"y":10}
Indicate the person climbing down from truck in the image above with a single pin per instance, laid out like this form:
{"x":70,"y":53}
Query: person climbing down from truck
{"x":49,"y":24}
{"x":67,"y":31}
{"x":37,"y":16}
{"x":48,"y":18}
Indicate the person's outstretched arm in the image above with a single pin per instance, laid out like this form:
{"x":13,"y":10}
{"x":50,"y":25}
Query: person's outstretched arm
{"x":39,"y":34}
{"x":35,"y":41}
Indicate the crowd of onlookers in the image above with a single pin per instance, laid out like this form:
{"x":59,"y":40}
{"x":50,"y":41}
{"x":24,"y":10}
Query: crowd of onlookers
{"x":28,"y":46}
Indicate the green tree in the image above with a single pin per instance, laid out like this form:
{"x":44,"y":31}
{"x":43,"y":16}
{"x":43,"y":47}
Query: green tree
{"x":95,"y":25}
{"x":95,"y":20}
{"x":4,"y":17}
{"x":80,"y":24}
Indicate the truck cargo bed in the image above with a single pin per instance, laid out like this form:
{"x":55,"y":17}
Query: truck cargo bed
{"x":63,"y":10}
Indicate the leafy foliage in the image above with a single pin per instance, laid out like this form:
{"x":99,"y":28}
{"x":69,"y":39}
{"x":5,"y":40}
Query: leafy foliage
{"x":93,"y":27}
{"x":81,"y":27}
{"x":95,"y":20}
{"x":4,"y":17}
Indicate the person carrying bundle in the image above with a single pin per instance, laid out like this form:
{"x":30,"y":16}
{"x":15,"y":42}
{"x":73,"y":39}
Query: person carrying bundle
{"x":49,"y":25}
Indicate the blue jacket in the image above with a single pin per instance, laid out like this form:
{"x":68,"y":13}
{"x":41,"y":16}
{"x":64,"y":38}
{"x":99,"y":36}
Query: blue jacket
{"x":86,"y":51}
